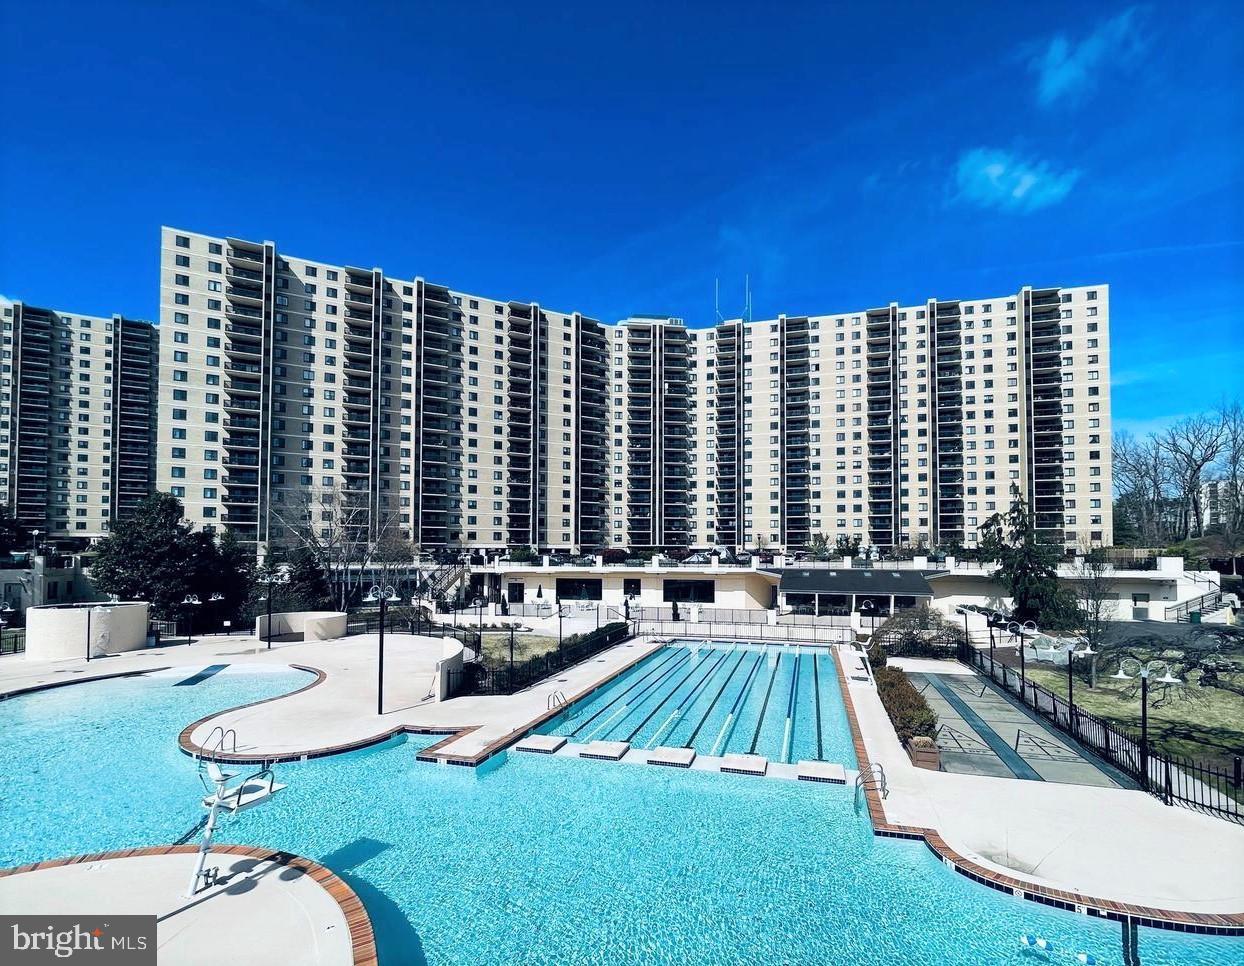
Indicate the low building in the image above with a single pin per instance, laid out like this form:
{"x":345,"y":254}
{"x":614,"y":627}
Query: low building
{"x":1160,"y":589}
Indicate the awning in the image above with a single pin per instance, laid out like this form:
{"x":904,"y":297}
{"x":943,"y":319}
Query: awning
{"x":863,"y":583}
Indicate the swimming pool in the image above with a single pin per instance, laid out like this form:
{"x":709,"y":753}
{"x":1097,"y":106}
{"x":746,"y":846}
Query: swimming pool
{"x":535,"y":859}
{"x":721,"y":697}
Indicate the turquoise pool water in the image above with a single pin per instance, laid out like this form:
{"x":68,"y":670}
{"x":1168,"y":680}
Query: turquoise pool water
{"x":536,"y":860}
{"x":721,"y":697}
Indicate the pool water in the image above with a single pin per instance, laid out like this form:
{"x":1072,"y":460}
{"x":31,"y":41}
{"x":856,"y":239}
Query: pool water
{"x":721,"y":697}
{"x":536,"y":859}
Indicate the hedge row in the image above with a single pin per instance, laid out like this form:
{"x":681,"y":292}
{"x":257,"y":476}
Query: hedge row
{"x":909,"y":712}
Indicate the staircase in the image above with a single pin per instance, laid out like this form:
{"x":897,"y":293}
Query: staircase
{"x":442,"y":581}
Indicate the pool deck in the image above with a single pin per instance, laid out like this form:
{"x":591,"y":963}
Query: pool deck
{"x":267,"y":907}
{"x":336,"y":710}
{"x":1101,"y":850}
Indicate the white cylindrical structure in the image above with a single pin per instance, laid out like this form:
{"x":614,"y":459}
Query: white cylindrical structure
{"x":58,"y":632}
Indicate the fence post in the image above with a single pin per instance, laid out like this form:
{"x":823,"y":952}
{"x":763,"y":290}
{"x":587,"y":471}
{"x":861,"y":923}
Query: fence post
{"x":1237,"y":772}
{"x":1167,"y":799}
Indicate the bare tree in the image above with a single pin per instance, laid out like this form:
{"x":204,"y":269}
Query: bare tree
{"x":1097,"y":599}
{"x":337,"y":527}
{"x":1229,"y":474}
{"x":1145,"y":482}
{"x":1194,"y":442}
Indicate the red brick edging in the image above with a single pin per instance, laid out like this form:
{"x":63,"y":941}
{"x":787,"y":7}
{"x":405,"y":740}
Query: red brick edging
{"x":1225,"y":924}
{"x":362,"y":938}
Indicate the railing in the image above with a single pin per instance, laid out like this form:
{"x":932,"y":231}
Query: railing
{"x":1206,"y":602}
{"x":369,"y":623}
{"x":13,"y":641}
{"x":872,"y":775}
{"x":745,"y":632}
{"x":507,"y":678}
{"x":1196,"y":784}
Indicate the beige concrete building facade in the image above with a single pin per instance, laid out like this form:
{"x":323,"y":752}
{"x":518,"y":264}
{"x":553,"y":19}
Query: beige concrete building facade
{"x":909,"y":425}
{"x":77,"y":418}
{"x":298,"y":393}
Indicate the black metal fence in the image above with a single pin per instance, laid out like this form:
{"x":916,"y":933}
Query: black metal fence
{"x":478,"y":677}
{"x":13,"y":640}
{"x":815,"y":634}
{"x":369,"y":623}
{"x":1200,"y":785}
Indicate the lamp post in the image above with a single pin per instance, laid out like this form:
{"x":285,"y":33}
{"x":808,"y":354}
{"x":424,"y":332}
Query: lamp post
{"x":1014,"y":629}
{"x":1144,"y":671}
{"x":385,"y":596}
{"x":270,"y":581}
{"x":560,"y":614}
{"x":1072,"y":654}
{"x":870,"y":608}
{"x":191,"y":601}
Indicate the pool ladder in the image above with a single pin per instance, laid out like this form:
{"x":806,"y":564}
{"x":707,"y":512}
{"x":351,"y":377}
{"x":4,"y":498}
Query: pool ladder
{"x":556,"y":699}
{"x":872,"y":775}
{"x":217,"y":739}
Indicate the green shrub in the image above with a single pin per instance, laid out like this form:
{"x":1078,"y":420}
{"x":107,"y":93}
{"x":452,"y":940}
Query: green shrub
{"x":908,"y":711}
{"x":876,"y":656}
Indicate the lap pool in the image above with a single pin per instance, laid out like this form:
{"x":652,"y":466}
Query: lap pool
{"x":721,"y":697}
{"x":535,"y":859}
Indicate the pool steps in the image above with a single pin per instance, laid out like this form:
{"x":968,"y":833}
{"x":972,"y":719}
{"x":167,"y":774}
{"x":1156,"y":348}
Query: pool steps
{"x":541,"y":744}
{"x":824,"y":772}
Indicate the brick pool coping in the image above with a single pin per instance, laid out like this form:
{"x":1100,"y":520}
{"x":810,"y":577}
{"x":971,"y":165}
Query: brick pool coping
{"x":1221,"y":924}
{"x":362,"y":937}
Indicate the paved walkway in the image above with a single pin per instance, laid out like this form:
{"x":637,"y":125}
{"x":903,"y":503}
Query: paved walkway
{"x":981,"y":732}
{"x":340,"y":710}
{"x":260,"y":911}
{"x":1110,"y":842}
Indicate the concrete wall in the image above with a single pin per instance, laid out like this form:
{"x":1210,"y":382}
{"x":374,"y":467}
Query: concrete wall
{"x":323,"y":625}
{"x":60,"y":632}
{"x":449,"y":665}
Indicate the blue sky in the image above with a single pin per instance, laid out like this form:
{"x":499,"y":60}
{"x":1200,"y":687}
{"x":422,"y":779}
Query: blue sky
{"x":617,"y":158}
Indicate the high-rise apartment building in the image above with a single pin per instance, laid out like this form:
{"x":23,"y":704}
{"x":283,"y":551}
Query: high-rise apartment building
{"x":77,"y":418}
{"x":295,"y":393}
{"x":385,"y":405}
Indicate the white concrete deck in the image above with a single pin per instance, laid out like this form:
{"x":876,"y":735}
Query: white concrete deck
{"x":341,"y":710}
{"x":1111,"y":843}
{"x":260,"y":912}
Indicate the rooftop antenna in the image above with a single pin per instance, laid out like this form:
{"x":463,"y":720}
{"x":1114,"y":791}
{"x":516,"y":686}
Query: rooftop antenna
{"x":747,"y":298}
{"x":717,"y":299}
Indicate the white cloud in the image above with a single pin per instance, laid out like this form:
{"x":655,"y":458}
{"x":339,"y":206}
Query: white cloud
{"x":995,"y":178}
{"x":1067,"y":70}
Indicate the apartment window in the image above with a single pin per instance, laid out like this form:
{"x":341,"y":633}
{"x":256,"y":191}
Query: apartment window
{"x":183,"y":241}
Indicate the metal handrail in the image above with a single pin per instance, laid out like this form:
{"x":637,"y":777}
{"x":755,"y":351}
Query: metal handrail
{"x":872,"y":774}
{"x":221,"y":735}
{"x":1180,"y":611}
{"x":556,"y":699}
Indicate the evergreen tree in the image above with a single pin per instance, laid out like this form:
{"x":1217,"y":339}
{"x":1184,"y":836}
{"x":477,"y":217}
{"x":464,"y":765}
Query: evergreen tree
{"x":307,"y":587}
{"x":156,"y":556}
{"x":1028,"y":564}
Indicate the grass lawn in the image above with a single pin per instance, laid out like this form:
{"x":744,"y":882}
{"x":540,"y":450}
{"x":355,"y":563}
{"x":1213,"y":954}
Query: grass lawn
{"x":497,"y":646}
{"x":1186,"y":720}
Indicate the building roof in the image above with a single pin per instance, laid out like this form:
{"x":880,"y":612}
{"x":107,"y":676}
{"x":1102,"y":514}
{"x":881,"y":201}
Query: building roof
{"x":822,"y":580}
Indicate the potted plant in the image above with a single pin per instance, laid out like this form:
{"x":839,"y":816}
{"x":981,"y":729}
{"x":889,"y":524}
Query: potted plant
{"x":924,"y":753}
